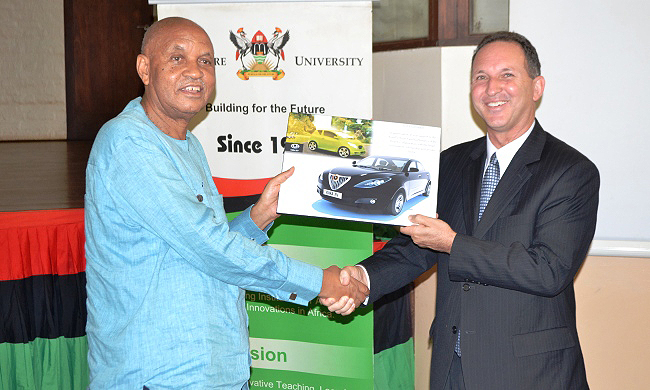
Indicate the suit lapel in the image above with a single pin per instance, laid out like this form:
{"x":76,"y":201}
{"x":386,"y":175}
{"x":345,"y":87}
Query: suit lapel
{"x":513,"y":179}
{"x":472,"y":174}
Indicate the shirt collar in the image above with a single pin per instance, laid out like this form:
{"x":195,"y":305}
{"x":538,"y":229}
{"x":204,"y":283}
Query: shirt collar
{"x":506,"y":153}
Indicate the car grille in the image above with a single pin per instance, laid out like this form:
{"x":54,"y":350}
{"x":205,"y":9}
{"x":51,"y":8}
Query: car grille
{"x":337,"y":181}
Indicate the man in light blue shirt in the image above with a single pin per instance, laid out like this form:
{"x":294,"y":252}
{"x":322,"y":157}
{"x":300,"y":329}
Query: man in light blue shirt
{"x":166,"y":272}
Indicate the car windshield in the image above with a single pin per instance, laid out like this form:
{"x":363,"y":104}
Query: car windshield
{"x":394,"y":164}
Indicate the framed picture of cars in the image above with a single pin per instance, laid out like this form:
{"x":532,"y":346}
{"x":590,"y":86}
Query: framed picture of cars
{"x":359,"y":169}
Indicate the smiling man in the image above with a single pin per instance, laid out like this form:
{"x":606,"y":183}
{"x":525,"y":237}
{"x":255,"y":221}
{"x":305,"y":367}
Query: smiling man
{"x":517,"y":212}
{"x":166,"y":272}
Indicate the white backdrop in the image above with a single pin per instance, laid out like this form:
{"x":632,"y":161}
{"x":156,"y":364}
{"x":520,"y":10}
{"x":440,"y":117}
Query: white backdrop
{"x":595,"y":57}
{"x":327,"y":64}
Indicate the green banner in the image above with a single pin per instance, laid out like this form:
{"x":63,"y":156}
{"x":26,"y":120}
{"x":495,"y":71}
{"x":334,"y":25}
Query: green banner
{"x":309,"y":348}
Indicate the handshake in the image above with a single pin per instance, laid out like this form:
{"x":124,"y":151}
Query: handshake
{"x":344,"y":289}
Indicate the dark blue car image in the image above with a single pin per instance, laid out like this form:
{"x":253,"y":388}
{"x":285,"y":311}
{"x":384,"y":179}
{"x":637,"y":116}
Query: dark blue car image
{"x":380,"y":182}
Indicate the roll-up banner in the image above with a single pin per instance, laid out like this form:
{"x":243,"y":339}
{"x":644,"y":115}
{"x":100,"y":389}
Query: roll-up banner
{"x":273,"y":58}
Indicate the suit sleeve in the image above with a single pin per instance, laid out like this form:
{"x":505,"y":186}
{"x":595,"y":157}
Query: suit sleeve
{"x":396,"y":265}
{"x":546,"y":262}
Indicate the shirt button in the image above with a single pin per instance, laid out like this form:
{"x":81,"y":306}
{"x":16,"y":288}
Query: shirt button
{"x":465,"y":287}
{"x":199,"y":197}
{"x":454,"y":329}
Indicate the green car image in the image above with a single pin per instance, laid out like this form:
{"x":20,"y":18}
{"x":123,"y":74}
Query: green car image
{"x":343,"y":144}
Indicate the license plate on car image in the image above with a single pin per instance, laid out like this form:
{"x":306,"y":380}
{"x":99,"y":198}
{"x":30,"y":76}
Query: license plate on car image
{"x":333,"y":194}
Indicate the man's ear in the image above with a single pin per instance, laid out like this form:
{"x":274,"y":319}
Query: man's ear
{"x":142,"y":66}
{"x":538,"y":87}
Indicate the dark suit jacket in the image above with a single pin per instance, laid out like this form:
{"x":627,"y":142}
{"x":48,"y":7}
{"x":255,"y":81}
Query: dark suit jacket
{"x":508,"y":283}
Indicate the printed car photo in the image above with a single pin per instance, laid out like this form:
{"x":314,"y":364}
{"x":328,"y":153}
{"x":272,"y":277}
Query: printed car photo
{"x":380,"y":182}
{"x":343,"y":144}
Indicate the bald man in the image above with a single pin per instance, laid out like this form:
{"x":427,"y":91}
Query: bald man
{"x":166,"y":272}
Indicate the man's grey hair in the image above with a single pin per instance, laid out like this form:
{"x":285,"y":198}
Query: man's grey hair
{"x":534,"y":68}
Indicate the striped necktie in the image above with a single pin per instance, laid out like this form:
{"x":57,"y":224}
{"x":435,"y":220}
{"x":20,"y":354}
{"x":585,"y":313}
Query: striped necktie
{"x":490,"y":181}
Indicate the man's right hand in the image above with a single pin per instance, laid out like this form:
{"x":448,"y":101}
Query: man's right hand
{"x":344,"y":292}
{"x":350,"y":275}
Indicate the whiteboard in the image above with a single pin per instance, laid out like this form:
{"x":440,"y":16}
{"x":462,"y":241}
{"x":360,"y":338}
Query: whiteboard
{"x":595,"y":59}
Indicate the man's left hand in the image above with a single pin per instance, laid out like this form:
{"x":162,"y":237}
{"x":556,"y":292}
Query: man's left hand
{"x":265,"y":210}
{"x":432,"y":233}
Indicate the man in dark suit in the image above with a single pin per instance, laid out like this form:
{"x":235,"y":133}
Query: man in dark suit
{"x":505,"y":304}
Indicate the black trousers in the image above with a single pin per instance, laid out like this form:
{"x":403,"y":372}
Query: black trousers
{"x":455,"y":379}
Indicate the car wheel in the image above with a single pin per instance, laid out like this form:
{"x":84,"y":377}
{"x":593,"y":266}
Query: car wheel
{"x":344,"y":152}
{"x":427,"y":190}
{"x":397,"y":203}
{"x":312,"y":145}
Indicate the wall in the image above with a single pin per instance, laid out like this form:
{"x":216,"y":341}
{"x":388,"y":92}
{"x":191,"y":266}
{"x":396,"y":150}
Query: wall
{"x":32,"y":103}
{"x":408,"y":87}
{"x":404,"y":84}
{"x":612,"y":311}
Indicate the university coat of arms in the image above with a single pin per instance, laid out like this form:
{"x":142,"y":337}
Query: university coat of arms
{"x":259,"y":57}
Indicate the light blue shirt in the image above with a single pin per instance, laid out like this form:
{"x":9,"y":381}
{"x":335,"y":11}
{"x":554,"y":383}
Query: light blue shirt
{"x":165,"y":270}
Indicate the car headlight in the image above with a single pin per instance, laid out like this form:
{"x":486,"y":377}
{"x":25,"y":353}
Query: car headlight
{"x":353,"y":144}
{"x":371,"y":183}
